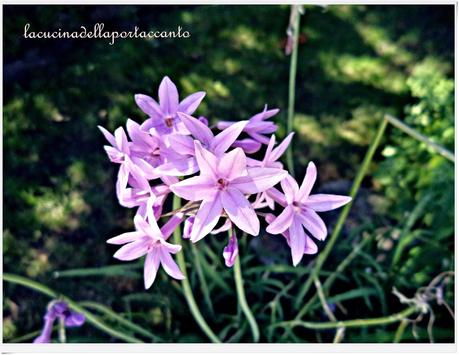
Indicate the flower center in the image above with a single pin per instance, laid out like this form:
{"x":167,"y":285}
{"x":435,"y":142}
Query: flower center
{"x":154,"y":244}
{"x":296,"y":206}
{"x":169,"y":121}
{"x":222,"y":184}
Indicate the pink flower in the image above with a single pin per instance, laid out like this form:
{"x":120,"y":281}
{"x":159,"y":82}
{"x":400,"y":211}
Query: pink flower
{"x":150,"y":240}
{"x":301,"y":211}
{"x":163,"y":116}
{"x":257,"y":126}
{"x":220,"y":186}
{"x":219,"y":144}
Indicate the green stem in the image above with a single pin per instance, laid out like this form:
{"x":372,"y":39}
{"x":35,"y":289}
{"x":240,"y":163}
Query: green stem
{"x":341,"y":267}
{"x":400,"y":331}
{"x":62,"y":337}
{"x":186,"y":284}
{"x":291,"y":85}
{"x":243,"y":301}
{"x":415,"y":134}
{"x":95,"y":321}
{"x":116,"y":317}
{"x":202,"y":279}
{"x":353,"y":323}
{"x":342,"y":217}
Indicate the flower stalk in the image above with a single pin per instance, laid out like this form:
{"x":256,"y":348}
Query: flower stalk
{"x":90,"y":318}
{"x":243,"y":301}
{"x":342,"y":217}
{"x":295,"y":29}
{"x":186,"y":287}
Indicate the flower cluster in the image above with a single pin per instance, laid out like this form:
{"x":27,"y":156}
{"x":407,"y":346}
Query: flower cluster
{"x":172,"y":152}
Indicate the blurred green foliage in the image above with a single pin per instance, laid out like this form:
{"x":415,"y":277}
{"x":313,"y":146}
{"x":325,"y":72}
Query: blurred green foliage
{"x":355,"y":63}
{"x":418,"y":182}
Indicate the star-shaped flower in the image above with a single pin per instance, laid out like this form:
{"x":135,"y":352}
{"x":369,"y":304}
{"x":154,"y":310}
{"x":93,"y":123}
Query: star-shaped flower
{"x":163,"y":116}
{"x":222,"y":185}
{"x":257,"y":126}
{"x":150,"y":240}
{"x":301,"y":211}
{"x":184,"y":144}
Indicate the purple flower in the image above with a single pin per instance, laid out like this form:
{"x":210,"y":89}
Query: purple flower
{"x":150,"y":240}
{"x":163,"y":116}
{"x":148,"y":199}
{"x":272,"y":154}
{"x":231,"y":251}
{"x":58,"y":310}
{"x":218,"y":145}
{"x":221,"y":185}
{"x":301,"y":211}
{"x":257,"y":126}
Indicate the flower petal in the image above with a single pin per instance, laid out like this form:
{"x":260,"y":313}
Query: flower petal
{"x":74,"y":319}
{"x":226,"y":138}
{"x":169,"y":227}
{"x":240,"y":211}
{"x":326,"y":202}
{"x":178,"y":167}
{"x":190,"y":103}
{"x":207,"y":161}
{"x":181,"y":144}
{"x":132,"y":250}
{"x":310,"y":247}
{"x":308,"y":182}
{"x":249,"y":145}
{"x":198,"y":129}
{"x":108,"y":136}
{"x":168,"y":97}
{"x":151,"y":267}
{"x":269,"y":149}
{"x":258,"y":180}
{"x":281,"y":148}
{"x":313,"y":223}
{"x":206,"y":219}
{"x":121,"y":140}
{"x":277,"y":196}
{"x":125,"y":238}
{"x":196,"y":188}
{"x":224,"y":227}
{"x":297,"y":241}
{"x":282,"y":222}
{"x":149,"y":106}
{"x":259,"y":137}
{"x":232,"y":164}
{"x":149,"y":228}
{"x":170,"y":266}
{"x":290,"y":188}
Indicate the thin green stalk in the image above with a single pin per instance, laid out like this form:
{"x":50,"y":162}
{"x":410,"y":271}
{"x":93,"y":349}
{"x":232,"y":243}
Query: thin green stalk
{"x":95,"y":321}
{"x":400,"y":331}
{"x":186,"y":287}
{"x":62,"y":336}
{"x":295,"y":16}
{"x":353,"y":323}
{"x":202,"y":278}
{"x":243,"y":301}
{"x":116,"y":317}
{"x":342,"y":218}
{"x":420,"y":137}
{"x":29,"y":336}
